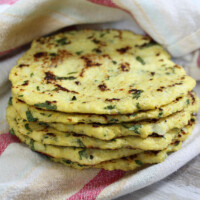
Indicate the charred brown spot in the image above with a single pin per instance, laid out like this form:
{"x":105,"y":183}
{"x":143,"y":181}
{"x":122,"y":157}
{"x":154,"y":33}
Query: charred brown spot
{"x":103,"y":87}
{"x":59,"y":87}
{"x":95,"y":125}
{"x":113,"y":99}
{"x":23,"y":65}
{"x":152,"y":73}
{"x":49,"y":76}
{"x":159,"y":90}
{"x":192,"y":96}
{"x":157,"y":54}
{"x":177,"y":66}
{"x":183,"y":77}
{"x":25,"y":83}
{"x":125,"y":67}
{"x":51,"y":134}
{"x":77,"y":83}
{"x":123,"y":50}
{"x":40,"y":54}
{"x":88,"y":63}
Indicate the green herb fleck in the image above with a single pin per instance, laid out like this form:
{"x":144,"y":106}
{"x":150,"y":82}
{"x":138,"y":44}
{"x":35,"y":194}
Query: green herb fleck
{"x":150,"y":44}
{"x":138,"y":106}
{"x":74,"y":98}
{"x":110,"y":107}
{"x":114,"y":62}
{"x":139,"y":162}
{"x":32,"y":74}
{"x":46,"y":105}
{"x":12,"y":132}
{"x":10,"y":101}
{"x":79,"y":53}
{"x":187,"y":101}
{"x":43,"y":124}
{"x":28,"y":128}
{"x":80,"y":143}
{"x":30,"y":117}
{"x":139,"y":59}
{"x":32,"y":144}
{"x":112,"y":120}
{"x":72,"y":73}
{"x":20,"y":96}
{"x":67,"y":162}
{"x":42,"y":114}
{"x":136,"y":93}
{"x":49,"y":115}
{"x":65,"y":78}
{"x":83,"y":154}
{"x":102,"y":35}
{"x":38,"y":88}
{"x":133,"y":115}
{"x":62,"y":41}
{"x":135,"y":128}
{"x":160,"y":113}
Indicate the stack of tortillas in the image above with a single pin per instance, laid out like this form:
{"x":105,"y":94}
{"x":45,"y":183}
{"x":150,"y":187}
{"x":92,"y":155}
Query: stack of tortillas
{"x":104,"y":99}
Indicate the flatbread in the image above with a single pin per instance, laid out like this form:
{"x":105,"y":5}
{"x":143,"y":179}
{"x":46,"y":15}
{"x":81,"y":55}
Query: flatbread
{"x":46,"y":135}
{"x":142,"y":129}
{"x":40,"y":115}
{"x":137,"y":161}
{"x":100,"y":72}
{"x":80,"y":155}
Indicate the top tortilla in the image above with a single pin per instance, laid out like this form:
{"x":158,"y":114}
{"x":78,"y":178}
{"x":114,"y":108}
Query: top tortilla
{"x":100,"y":72}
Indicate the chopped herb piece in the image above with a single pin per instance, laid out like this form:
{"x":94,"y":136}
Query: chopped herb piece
{"x":73,"y":98}
{"x":20,"y":96}
{"x":95,"y":41}
{"x":62,"y":41}
{"x":31,"y":75}
{"x":80,"y":143}
{"x":110,"y":107}
{"x":160,"y":114}
{"x":38,"y":88}
{"x":114,"y":62}
{"x":138,"y":106}
{"x":28,"y":128}
{"x":72,"y":73}
{"x":79,"y":53}
{"x":133,"y":115}
{"x":32,"y":144}
{"x":49,"y":115}
{"x":177,"y":143}
{"x":65,"y":78}
{"x":67,"y":161}
{"x":43,"y":124}
{"x":135,"y":128}
{"x":136,"y":93}
{"x":46,"y":105}
{"x":10,"y":101}
{"x":42,"y":114}
{"x":97,"y":50}
{"x":55,"y":89}
{"x":139,"y":59}
{"x":113,"y":120}
{"x":187,"y":101}
{"x":102,"y":34}
{"x":138,"y":162}
{"x":30,"y":117}
{"x":91,"y":157}
{"x":12,"y":132}
{"x":150,"y":44}
{"x":83,"y":154}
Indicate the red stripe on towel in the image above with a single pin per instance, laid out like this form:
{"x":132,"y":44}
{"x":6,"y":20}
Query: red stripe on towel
{"x":5,"y":140}
{"x":93,"y":188}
